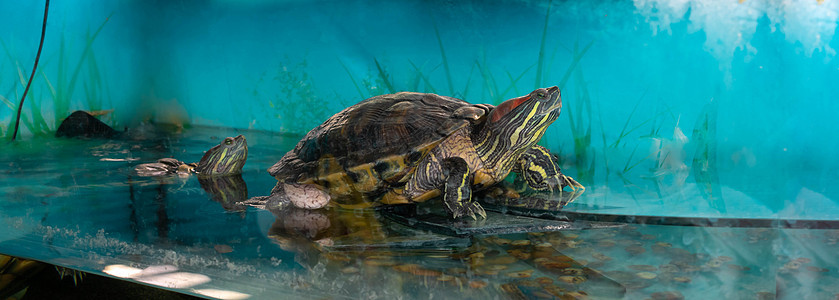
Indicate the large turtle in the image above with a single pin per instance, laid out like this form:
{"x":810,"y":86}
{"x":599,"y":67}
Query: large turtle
{"x":410,"y":147}
{"x":226,"y":158}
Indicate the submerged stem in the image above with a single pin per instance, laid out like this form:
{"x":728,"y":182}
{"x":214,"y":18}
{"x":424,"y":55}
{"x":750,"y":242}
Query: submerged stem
{"x":37,"y":57}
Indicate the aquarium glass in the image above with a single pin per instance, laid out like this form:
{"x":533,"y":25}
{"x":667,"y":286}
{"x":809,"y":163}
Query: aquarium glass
{"x":704,"y":132}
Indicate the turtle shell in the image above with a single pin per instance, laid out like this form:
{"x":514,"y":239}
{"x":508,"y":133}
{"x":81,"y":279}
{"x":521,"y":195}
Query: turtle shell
{"x":373,"y":144}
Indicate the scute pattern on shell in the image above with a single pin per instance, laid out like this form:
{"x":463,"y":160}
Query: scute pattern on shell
{"x":382,"y":126}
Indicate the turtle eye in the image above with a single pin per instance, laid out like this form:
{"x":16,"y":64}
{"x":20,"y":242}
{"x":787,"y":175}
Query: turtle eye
{"x":540,"y":95}
{"x":228,"y":141}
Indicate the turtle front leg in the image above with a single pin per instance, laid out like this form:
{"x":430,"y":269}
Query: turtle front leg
{"x":457,"y":189}
{"x":539,"y":170}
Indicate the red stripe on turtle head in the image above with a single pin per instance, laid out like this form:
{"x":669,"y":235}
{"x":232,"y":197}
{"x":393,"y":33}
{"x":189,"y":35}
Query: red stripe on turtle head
{"x":507,"y":106}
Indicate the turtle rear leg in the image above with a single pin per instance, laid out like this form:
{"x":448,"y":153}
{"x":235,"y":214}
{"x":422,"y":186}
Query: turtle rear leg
{"x":539,"y":170}
{"x":457,"y":189}
{"x":163,"y":166}
{"x":307,"y":196}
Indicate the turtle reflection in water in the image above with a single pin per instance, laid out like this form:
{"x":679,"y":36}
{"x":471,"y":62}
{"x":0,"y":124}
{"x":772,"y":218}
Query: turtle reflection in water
{"x":411,"y":147}
{"x":311,"y":233}
{"x":334,"y":243}
{"x":219,"y":171}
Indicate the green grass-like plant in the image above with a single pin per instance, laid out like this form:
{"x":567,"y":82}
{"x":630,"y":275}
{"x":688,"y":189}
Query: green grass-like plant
{"x":60,"y":90}
{"x":495,"y":89}
{"x":580,"y":119}
{"x":490,"y":85}
{"x":357,"y":87}
{"x":13,"y":105}
{"x":705,"y":156}
{"x":445,"y":60}
{"x":63,"y":90}
{"x":385,"y":78}
{"x":420,"y":75}
{"x":541,"y":59}
{"x":301,"y":105}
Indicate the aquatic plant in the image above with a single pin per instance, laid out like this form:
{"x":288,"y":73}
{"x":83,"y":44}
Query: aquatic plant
{"x":496,"y":95}
{"x":357,"y":87}
{"x":384,"y":77}
{"x":377,"y":80}
{"x":494,"y":88}
{"x":61,"y":90}
{"x":490,"y":86}
{"x":37,"y":125}
{"x":705,"y":155}
{"x":580,"y":127}
{"x":38,"y":122}
{"x":21,"y":79}
{"x":579,"y":114}
{"x":419,"y":75}
{"x":626,"y":131}
{"x":445,"y":60}
{"x":10,"y":106}
{"x":34,"y":68}
{"x":704,"y":134}
{"x":514,"y":81}
{"x":65,"y":87}
{"x":95,"y":88}
{"x":296,"y":102}
{"x":541,"y":59}
{"x":580,"y":120}
{"x":465,"y":93}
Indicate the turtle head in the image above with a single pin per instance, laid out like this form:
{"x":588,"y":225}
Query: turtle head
{"x":227,"y":158}
{"x":517,"y":124}
{"x":527,"y":116}
{"x":529,"y":109}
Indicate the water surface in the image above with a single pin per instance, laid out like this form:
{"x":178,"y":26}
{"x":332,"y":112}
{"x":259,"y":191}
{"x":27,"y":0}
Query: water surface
{"x":76,"y":203}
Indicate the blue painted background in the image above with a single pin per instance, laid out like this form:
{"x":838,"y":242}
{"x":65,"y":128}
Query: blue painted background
{"x":763,"y":72}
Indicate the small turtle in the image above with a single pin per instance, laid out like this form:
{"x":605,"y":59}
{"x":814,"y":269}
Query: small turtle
{"x":410,"y":147}
{"x":226,"y":158}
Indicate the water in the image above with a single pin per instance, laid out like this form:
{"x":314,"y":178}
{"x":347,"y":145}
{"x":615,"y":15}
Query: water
{"x":76,"y":203}
{"x":703,"y":131}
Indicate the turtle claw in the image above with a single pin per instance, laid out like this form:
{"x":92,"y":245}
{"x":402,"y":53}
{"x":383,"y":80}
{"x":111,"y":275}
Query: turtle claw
{"x":258,"y":202}
{"x":480,"y":211}
{"x":474,"y":208}
{"x":275,"y":202}
{"x":471,"y":209}
{"x":573,"y":184}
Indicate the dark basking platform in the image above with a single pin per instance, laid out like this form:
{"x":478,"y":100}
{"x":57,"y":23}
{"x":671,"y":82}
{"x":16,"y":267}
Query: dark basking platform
{"x":83,"y":124}
{"x":432,"y":217}
{"x":554,"y":209}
